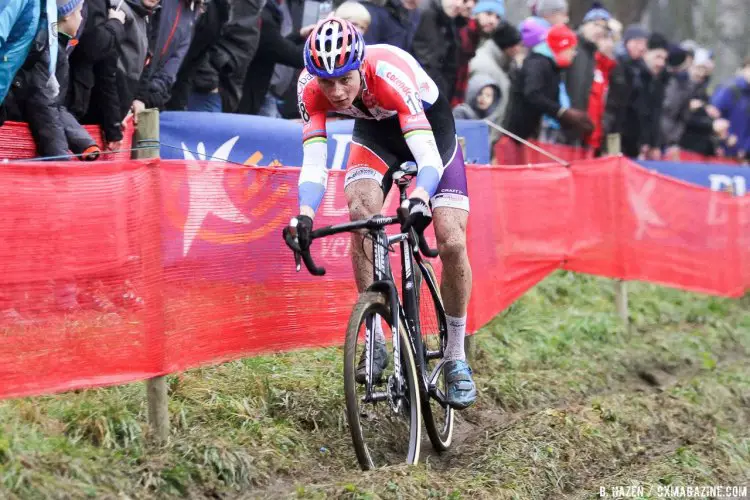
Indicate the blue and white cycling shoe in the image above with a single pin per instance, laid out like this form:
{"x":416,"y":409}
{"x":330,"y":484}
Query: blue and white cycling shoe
{"x":460,"y":389}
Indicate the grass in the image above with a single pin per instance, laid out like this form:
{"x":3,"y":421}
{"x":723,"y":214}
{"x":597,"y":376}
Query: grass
{"x":569,"y":402}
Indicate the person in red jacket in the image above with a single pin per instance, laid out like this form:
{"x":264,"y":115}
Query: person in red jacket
{"x":605,"y":62}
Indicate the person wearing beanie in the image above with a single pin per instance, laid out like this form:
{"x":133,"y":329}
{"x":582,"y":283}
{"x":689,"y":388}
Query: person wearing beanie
{"x":677,"y":59}
{"x":39,"y":100}
{"x":500,"y":59}
{"x":641,"y":135}
{"x":533,"y":31}
{"x":629,"y":54}
{"x":539,"y":91}
{"x":635,"y":42}
{"x":656,"y":55}
{"x":580,"y":77}
{"x":485,"y":18}
{"x":552,"y":11}
{"x":685,"y":122}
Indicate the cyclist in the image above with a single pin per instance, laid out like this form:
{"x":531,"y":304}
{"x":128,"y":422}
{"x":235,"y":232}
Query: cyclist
{"x":399,"y":115}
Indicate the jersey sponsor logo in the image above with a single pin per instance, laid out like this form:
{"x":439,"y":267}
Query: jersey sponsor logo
{"x":395,"y":78}
{"x":305,"y":79}
{"x":358,"y":172}
{"x":302,"y":84}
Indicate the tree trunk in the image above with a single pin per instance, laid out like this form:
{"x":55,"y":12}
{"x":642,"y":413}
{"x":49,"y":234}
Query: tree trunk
{"x":630,"y":12}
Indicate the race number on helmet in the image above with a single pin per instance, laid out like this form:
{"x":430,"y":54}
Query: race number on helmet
{"x":334,"y":48}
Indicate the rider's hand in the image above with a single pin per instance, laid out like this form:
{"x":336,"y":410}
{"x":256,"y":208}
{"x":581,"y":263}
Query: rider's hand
{"x":303,"y":230}
{"x":418,"y":215}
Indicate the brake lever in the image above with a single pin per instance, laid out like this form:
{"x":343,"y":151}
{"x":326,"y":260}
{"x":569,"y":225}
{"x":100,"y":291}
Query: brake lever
{"x":293,"y":232}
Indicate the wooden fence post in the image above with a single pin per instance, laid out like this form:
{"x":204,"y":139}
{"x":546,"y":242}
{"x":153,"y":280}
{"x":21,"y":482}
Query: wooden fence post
{"x":614,"y":147}
{"x":147,"y":137}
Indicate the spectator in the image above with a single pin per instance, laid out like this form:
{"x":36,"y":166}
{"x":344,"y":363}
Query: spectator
{"x":284,"y":82}
{"x":702,"y":128}
{"x":355,"y":13}
{"x":496,"y":58}
{"x":436,"y":44}
{"x":35,"y":101}
{"x":641,"y":134}
{"x":635,"y":44}
{"x":482,"y":99}
{"x":677,"y":60}
{"x":273,"y":49}
{"x":533,"y":32}
{"x":733,"y":102}
{"x":392,"y":21}
{"x":18,"y":25}
{"x":170,"y":32}
{"x":621,"y":80}
{"x":615,"y":28}
{"x":225,"y":41}
{"x":676,"y":110}
{"x":604,"y":63}
{"x":552,"y":11}
{"x":133,"y":50}
{"x":580,"y":76}
{"x":539,"y":90}
{"x":545,"y":14}
{"x":94,"y":64}
{"x":485,"y":17}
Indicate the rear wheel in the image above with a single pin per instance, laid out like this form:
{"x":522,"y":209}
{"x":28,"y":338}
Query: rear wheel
{"x":438,"y":417}
{"x":387,"y":431}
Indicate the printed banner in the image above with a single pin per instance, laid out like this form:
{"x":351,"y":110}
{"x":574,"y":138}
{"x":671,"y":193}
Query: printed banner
{"x":262,"y":141}
{"x":728,"y":178}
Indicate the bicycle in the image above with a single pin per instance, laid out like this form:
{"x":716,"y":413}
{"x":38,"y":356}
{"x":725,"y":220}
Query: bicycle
{"x":415,"y":390}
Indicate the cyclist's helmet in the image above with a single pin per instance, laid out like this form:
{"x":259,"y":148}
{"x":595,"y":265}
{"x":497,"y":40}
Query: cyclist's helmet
{"x":334,"y":48}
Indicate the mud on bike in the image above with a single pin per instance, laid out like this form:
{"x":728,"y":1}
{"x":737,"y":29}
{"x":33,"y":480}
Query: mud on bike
{"x":385,"y":415}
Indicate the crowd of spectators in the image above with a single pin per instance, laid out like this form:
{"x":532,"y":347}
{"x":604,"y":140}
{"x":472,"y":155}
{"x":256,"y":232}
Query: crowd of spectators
{"x":64,"y":63}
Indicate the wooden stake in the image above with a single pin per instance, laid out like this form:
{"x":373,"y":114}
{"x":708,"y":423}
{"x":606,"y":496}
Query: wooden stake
{"x":147,"y":137}
{"x":614,"y":147}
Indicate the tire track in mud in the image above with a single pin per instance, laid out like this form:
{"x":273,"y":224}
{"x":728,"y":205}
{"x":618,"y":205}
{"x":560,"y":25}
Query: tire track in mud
{"x":488,"y":423}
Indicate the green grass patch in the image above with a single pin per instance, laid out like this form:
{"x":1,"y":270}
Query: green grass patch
{"x":569,"y":402}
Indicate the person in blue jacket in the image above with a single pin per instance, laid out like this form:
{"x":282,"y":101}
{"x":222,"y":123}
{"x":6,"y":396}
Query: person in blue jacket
{"x":733,"y":102}
{"x":19,"y":21}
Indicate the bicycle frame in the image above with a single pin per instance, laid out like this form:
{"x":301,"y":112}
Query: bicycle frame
{"x":412,"y":247}
{"x":408,"y":312}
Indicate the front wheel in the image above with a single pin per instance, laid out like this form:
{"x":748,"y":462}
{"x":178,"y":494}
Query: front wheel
{"x":438,"y":416}
{"x":388,"y":430}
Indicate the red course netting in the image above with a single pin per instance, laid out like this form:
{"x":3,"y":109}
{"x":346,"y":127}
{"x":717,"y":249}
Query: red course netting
{"x":16,"y":142}
{"x":126,"y":270}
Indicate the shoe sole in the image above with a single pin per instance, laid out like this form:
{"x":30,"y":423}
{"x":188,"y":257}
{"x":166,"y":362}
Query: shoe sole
{"x":460,"y":406}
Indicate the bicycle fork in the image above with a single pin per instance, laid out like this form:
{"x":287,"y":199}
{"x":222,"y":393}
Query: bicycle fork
{"x":383,"y":282}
